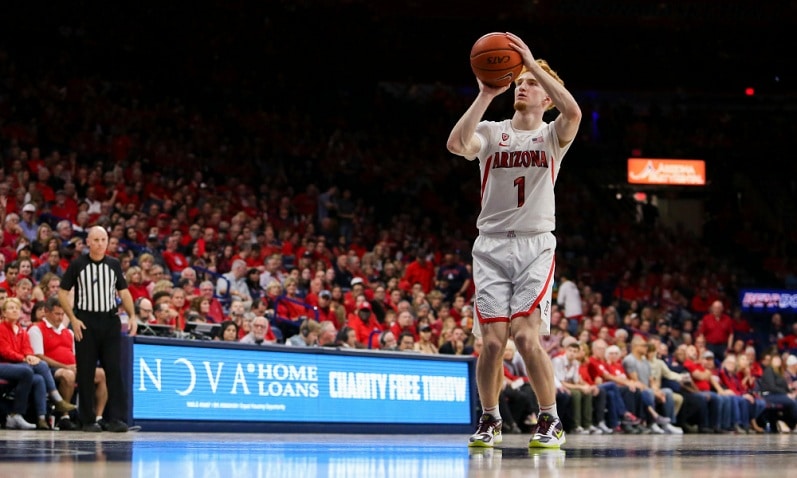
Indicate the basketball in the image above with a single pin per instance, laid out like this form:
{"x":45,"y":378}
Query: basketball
{"x":493,"y":61}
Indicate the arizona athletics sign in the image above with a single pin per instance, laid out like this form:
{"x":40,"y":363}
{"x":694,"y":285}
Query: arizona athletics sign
{"x":673,"y":172}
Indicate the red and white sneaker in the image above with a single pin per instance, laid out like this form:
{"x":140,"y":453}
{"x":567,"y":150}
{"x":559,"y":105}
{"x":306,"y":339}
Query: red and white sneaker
{"x":488,"y":433}
{"x":549,"y":434}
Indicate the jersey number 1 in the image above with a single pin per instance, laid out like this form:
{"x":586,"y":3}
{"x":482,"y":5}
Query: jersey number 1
{"x":520,"y":183}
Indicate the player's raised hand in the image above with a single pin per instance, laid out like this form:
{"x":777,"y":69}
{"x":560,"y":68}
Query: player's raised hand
{"x":521,"y":47}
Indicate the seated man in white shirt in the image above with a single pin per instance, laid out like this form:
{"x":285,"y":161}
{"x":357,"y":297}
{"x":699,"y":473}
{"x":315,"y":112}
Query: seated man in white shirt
{"x":583,"y":396}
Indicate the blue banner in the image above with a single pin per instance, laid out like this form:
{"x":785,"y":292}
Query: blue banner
{"x":768,"y":300}
{"x":178,"y":382}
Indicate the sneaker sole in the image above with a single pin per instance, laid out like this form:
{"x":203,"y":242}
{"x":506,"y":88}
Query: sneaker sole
{"x":497,"y":440}
{"x":479,"y":444}
{"x":539,"y":444}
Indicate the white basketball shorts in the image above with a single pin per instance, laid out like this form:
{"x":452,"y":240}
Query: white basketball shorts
{"x":513,"y":275}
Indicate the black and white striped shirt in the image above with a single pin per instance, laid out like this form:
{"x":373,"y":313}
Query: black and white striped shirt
{"x":95,"y":283}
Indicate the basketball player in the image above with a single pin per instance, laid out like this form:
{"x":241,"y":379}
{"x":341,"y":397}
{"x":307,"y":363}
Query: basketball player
{"x":513,"y":256}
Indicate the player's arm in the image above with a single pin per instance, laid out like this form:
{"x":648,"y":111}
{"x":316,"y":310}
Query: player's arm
{"x":463,"y":140}
{"x":570,"y":113}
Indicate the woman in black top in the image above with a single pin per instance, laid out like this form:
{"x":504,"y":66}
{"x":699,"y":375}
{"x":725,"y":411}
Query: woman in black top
{"x":776,"y":391}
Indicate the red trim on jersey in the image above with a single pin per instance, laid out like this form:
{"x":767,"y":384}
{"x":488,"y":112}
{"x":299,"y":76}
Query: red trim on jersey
{"x":539,"y":297}
{"x":484,"y":179}
{"x":488,"y":320}
{"x":553,"y":167}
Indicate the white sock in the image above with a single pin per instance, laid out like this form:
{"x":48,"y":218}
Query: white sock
{"x":492,"y":411}
{"x":99,"y":417}
{"x":56,"y":396}
{"x":550,"y":410}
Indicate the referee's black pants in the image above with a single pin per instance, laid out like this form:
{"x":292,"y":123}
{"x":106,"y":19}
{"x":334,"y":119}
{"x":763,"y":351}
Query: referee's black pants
{"x":101,"y":341}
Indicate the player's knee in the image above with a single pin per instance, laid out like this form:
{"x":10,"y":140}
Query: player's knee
{"x":492,"y":347}
{"x":527,"y":343}
{"x":99,"y":375}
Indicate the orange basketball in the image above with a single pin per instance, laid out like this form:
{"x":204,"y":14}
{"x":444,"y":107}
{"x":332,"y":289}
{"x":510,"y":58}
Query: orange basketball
{"x":493,"y":61}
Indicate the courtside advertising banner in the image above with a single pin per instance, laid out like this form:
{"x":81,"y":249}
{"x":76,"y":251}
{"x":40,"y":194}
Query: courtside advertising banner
{"x":768,"y":300}
{"x":672,"y":172}
{"x":236,"y":384}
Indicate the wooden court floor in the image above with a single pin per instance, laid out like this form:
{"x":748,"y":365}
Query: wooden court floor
{"x":34,"y":454}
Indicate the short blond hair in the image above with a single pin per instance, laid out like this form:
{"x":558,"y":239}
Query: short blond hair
{"x":10,"y":300}
{"x":545,"y":66}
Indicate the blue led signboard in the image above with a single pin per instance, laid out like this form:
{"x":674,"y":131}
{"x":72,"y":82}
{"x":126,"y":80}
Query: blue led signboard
{"x":179,"y":382}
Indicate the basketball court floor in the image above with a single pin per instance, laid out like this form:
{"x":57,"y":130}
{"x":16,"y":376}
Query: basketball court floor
{"x":144,"y":454}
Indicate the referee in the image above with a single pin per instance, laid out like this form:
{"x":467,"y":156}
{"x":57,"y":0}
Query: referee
{"x":95,"y":321}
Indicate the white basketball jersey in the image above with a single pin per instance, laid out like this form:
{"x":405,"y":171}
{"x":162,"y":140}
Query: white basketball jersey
{"x":518,"y":173}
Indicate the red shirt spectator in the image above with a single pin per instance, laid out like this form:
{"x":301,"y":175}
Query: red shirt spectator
{"x":790,"y":341}
{"x":420,"y":271}
{"x":583,"y":371}
{"x":701,"y":302}
{"x":625,"y":291}
{"x":57,"y":343}
{"x":596,"y":368}
{"x":616,"y":369}
{"x":138,"y":290}
{"x":704,"y":385}
{"x":292,"y":309}
{"x":325,"y":311}
{"x":350,"y":297}
{"x":756,"y":370}
{"x":175,"y":260}
{"x":732,"y":382}
{"x":364,"y":324}
{"x":306,"y":203}
{"x":404,"y":323}
{"x":716,"y":326}
{"x":741,"y":325}
{"x":64,"y":207}
{"x":14,"y":346}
